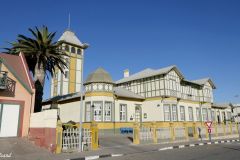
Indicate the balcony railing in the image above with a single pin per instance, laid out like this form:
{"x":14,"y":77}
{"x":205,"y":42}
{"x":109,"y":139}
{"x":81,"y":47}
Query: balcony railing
{"x":3,"y":80}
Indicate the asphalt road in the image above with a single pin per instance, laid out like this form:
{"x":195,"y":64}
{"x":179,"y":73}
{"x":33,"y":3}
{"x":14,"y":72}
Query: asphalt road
{"x":226,"y":151}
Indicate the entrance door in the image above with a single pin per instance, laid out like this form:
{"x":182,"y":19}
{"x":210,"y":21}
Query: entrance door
{"x":138,"y":113}
{"x":9,"y":119}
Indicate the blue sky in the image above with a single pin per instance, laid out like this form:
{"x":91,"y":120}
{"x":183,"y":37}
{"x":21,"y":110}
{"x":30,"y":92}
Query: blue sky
{"x":201,"y":37}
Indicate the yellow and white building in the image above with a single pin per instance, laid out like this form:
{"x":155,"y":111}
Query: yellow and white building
{"x":161,"y":95}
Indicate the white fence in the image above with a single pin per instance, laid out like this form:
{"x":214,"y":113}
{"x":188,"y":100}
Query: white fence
{"x":146,"y":134}
{"x":163,"y":134}
{"x":220,"y":130}
{"x":71,"y":139}
{"x":234,"y":128}
{"x":180,"y":133}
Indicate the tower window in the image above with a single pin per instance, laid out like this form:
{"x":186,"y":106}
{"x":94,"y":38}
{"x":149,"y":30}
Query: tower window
{"x":79,"y":51}
{"x":67,"y":48}
{"x":66,"y":74}
{"x":67,"y":61}
{"x":73,"y":50}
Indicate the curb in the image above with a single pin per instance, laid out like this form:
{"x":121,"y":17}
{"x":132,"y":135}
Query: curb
{"x":197,"y":144}
{"x":160,"y":149}
{"x":97,"y":157}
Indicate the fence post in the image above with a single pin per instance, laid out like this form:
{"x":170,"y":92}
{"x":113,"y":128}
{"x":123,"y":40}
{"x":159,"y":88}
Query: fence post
{"x":231,"y":132}
{"x":172,"y":131}
{"x":224,"y":129}
{"x":94,"y":130}
{"x":154,"y":131}
{"x":136,"y":133}
{"x":186,"y":130}
{"x":216,"y":129}
{"x":195,"y":131}
{"x":59,"y":134}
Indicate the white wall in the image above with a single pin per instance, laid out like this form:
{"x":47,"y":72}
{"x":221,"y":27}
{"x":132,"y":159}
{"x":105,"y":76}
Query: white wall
{"x":70,"y":111}
{"x":44,"y":119}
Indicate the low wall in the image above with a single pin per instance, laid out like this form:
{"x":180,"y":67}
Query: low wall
{"x":43,"y":129}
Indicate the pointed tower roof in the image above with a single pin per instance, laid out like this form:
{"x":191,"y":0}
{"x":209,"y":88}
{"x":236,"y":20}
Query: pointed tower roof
{"x":99,"y":75}
{"x":70,"y":37}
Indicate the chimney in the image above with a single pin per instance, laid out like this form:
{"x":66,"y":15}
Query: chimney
{"x":126,"y":73}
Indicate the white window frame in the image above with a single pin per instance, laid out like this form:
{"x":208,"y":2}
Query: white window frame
{"x":97,"y":109}
{"x":123,"y":112}
{"x":88,"y":112}
{"x":167,"y":112}
{"x":204,"y":114}
{"x":182,"y":113}
{"x":209,"y":114}
{"x":198,"y":114}
{"x":190,"y":114}
{"x":213,"y":115}
{"x":174,"y":112}
{"x":107,"y":111}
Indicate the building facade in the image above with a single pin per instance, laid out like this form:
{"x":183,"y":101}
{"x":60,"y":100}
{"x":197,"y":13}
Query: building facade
{"x":17,"y":94}
{"x":151,"y":95}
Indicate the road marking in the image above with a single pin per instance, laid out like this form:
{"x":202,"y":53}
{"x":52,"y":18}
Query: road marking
{"x":166,"y":148}
{"x":181,"y":146}
{"x":91,"y":157}
{"x":117,"y":155}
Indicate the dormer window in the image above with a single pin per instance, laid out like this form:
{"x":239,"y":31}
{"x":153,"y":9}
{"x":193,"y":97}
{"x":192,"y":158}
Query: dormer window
{"x":73,"y":50}
{"x":79,"y":51}
{"x":67,"y":48}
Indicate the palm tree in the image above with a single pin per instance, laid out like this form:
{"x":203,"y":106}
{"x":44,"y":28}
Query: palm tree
{"x":43,"y":56}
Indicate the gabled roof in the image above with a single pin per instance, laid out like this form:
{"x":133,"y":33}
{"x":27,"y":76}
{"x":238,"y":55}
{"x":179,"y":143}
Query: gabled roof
{"x":121,"y":92}
{"x":63,"y":97}
{"x":149,"y":73}
{"x":70,"y":37}
{"x":99,"y":75}
{"x":204,"y":81}
{"x":18,"y":67}
{"x":221,"y":105}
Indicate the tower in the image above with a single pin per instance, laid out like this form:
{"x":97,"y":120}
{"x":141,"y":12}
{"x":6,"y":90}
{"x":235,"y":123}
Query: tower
{"x":70,"y":81}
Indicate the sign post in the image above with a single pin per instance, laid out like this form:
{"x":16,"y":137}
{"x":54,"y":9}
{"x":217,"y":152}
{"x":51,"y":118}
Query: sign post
{"x":209,"y":124}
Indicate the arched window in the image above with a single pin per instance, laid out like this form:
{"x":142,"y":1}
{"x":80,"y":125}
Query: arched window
{"x":79,"y":51}
{"x":73,"y":50}
{"x":67,"y":48}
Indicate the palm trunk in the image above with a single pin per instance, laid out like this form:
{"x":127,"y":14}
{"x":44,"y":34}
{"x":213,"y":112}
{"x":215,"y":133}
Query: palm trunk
{"x":39,"y":78}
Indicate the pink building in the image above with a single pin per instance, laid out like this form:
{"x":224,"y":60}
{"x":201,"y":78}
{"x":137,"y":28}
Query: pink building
{"x":17,"y":95}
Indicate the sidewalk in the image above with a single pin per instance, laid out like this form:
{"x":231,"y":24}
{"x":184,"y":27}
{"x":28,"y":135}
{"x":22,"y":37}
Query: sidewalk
{"x":132,"y":149}
{"x":22,"y":149}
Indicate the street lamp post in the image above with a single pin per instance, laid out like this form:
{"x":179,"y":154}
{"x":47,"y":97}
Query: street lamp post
{"x":81,"y":108}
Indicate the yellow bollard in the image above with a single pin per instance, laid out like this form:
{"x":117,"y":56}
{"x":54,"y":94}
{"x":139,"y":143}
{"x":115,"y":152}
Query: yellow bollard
{"x":172,"y":131}
{"x":215,"y":127}
{"x":154,"y":131}
{"x":186,"y":130}
{"x":224,"y":129}
{"x":59,"y":137}
{"x":136,"y":132}
{"x":195,"y":131}
{"x":231,"y":131}
{"x":94,"y":130}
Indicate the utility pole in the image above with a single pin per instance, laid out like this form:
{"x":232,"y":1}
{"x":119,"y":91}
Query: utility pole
{"x":81,"y":106}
